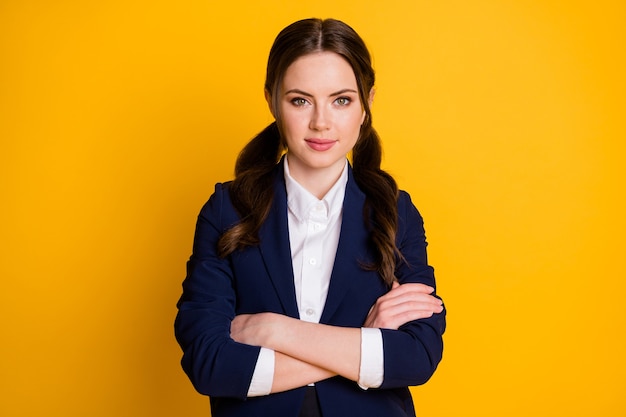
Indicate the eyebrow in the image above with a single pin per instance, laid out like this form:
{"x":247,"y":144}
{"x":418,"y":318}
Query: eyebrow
{"x":304,"y":93}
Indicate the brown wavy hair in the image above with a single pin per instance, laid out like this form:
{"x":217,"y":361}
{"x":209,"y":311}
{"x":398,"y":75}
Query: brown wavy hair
{"x":252,"y":190}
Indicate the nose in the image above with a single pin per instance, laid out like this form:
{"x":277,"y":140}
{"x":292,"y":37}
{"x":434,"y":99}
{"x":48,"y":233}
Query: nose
{"x":320,"y":119}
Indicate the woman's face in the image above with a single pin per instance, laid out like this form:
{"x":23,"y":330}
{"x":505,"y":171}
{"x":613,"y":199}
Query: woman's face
{"x":321,"y":113}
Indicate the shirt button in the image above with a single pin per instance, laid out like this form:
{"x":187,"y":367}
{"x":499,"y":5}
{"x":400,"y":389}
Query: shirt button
{"x":309,"y":312}
{"x":312,"y":261}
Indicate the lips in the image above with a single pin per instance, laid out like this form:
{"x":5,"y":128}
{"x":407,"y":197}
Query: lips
{"x":320,"y":144}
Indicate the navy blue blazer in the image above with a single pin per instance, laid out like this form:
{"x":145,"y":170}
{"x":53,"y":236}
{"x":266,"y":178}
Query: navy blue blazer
{"x":260,"y":279}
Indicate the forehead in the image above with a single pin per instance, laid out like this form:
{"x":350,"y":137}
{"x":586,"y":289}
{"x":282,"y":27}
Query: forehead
{"x":320,"y":71}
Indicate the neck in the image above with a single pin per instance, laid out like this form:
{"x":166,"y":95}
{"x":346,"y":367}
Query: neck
{"x":317,"y":181}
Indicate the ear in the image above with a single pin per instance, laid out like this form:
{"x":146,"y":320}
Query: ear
{"x":268,"y":99}
{"x":370,"y":99}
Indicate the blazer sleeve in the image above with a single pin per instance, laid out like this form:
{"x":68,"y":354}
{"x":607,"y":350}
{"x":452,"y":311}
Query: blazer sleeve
{"x":412,"y":353}
{"x":216,"y":364}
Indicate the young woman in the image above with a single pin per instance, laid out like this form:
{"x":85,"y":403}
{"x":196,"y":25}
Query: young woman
{"x":308,"y":292}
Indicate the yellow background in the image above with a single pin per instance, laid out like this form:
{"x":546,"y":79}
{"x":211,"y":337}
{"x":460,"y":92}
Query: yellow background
{"x":503,"y":119}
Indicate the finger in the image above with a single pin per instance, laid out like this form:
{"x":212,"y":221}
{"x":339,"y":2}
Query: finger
{"x":412,"y":305}
{"x":417,"y":308}
{"x":411,"y":287}
{"x":408,"y":316}
{"x":394,"y":317}
{"x":392,"y":299}
{"x":400,"y":318}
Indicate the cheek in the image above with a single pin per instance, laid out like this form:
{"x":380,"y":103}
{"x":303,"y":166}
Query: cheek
{"x":355,"y":121}
{"x":293,"y":125}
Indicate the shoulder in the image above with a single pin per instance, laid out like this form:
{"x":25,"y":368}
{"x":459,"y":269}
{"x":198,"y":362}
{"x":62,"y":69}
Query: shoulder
{"x":222,"y":188}
{"x":219,"y":208}
{"x":220,"y":193}
{"x":408,"y":215}
{"x":405,"y":202}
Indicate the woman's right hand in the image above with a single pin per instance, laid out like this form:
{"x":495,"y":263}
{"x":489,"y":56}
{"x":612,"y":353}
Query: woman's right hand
{"x":402,"y":304}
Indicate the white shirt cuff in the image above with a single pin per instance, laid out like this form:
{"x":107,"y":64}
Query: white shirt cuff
{"x":372,"y":368}
{"x":263,"y":375}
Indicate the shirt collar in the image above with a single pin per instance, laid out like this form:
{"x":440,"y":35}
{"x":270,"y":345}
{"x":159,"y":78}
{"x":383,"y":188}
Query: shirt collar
{"x":301,"y":202}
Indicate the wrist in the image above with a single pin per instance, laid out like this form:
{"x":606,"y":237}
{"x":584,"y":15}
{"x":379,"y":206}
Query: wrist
{"x":266,"y":321}
{"x":275,"y":330}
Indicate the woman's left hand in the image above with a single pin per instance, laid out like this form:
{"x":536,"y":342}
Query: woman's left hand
{"x":402,"y":304}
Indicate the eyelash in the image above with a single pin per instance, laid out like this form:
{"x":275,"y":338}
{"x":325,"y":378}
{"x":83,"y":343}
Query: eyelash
{"x":299,"y":101}
{"x":347,"y":101}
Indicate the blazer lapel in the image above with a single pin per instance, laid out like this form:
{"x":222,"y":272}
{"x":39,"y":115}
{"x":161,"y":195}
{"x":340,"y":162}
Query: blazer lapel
{"x":351,"y":250}
{"x":275,"y":249}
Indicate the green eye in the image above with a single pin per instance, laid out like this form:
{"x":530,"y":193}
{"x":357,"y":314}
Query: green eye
{"x":343,"y":101}
{"x":299,"y":101}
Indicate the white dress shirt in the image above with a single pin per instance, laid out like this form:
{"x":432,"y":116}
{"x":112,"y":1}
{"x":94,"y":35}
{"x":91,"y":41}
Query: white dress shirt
{"x":314,"y":228}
